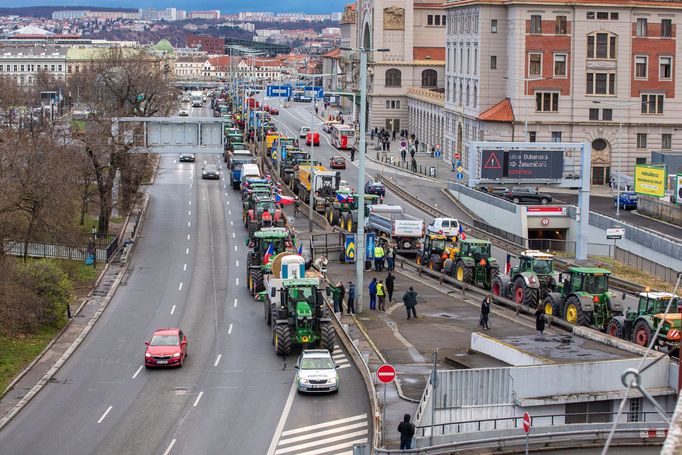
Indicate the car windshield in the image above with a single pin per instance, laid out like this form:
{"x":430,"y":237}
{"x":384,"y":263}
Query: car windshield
{"x":596,"y":284}
{"x":211,"y":168}
{"x":438,"y":244}
{"x":543,"y":267}
{"x":311,"y":363}
{"x":165,"y":340}
{"x":301,"y":294}
{"x":269,"y":206}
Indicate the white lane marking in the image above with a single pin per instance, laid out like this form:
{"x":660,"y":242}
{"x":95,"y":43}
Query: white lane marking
{"x":180,"y":287}
{"x":341,"y":367}
{"x":231,"y":223}
{"x":187,"y":236}
{"x":236,"y":263}
{"x":189,"y":212}
{"x":190,"y":202}
{"x":324,"y":424}
{"x":187,"y":251}
{"x":217,"y":360}
{"x":282,"y":420}
{"x":229,"y":212}
{"x":334,"y":448}
{"x":184,"y":268}
{"x":190,"y":185}
{"x":229,"y":330}
{"x":174,"y":161}
{"x":228,"y":202}
{"x":236,"y":281}
{"x":317,"y":434}
{"x":170,"y":446}
{"x":173,"y":309}
{"x":104,"y":415}
{"x":189,"y":223}
{"x":204,"y":161}
{"x":235,"y":303}
{"x":235,"y":247}
{"x":138,"y":371}
{"x":233,"y":235}
{"x":196,"y":402}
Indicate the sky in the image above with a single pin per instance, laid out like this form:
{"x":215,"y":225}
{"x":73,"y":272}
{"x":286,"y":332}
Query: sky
{"x":226,"y":6}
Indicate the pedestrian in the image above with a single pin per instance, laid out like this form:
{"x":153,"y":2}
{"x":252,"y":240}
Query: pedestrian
{"x":371,"y":134}
{"x":433,"y":151}
{"x":414,"y":165}
{"x":406,"y":430}
{"x":336,"y":294}
{"x":381,"y":295}
{"x":378,"y":258}
{"x":416,"y":144}
{"x":351,"y":298}
{"x":390,"y":258}
{"x":540,"y":319}
{"x":388,"y":145}
{"x":390,"y":283}
{"x":412,"y":153}
{"x":485,"y":311}
{"x":352,"y":153}
{"x":316,"y":109}
{"x":342,"y":295}
{"x":403,"y":155}
{"x":373,"y":294}
{"x":410,"y":301}
{"x":394,"y":132}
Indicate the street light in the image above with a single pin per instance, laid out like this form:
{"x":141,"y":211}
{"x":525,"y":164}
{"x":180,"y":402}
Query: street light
{"x":360,"y":237}
{"x":525,"y":89}
{"x":620,"y":138}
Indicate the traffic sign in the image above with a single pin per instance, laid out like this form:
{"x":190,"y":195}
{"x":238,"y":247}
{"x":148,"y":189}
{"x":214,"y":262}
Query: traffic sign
{"x":615,"y":233}
{"x":545,"y":221}
{"x":283,"y":91}
{"x":458,"y":155}
{"x":436,"y":153}
{"x":403,"y":145}
{"x":274,"y":155}
{"x":526,"y":422}
{"x":386,"y":373}
{"x":460,"y":176}
{"x":460,"y":169}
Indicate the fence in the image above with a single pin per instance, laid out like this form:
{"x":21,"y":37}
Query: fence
{"x":104,"y":249}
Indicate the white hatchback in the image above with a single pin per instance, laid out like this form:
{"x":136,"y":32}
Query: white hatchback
{"x":304,"y":132}
{"x":316,"y":372}
{"x":448,"y":227}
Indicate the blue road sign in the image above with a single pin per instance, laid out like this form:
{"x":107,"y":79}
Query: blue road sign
{"x":315,"y":92}
{"x":460,"y":176}
{"x":282,"y":91}
{"x":436,"y":153}
{"x":283,"y":152}
{"x":369,"y":246}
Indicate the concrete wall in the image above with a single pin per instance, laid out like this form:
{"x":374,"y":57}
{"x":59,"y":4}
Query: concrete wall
{"x":656,"y":208}
{"x":510,"y":355}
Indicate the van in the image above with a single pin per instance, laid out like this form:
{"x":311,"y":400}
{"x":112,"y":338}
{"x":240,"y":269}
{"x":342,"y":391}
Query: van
{"x":249,"y":170}
{"x":448,"y":227}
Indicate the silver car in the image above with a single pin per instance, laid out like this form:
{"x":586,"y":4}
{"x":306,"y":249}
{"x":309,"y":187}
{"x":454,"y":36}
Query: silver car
{"x":316,"y":372}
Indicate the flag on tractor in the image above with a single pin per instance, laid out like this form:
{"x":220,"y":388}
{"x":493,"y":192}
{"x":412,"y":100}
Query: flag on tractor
{"x":269,"y":253}
{"x":462,"y":235}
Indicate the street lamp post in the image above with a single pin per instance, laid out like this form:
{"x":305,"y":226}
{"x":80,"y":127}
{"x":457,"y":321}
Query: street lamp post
{"x":360,"y":237}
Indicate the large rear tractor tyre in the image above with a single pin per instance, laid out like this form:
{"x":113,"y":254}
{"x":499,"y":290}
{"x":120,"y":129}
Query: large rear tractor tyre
{"x":327,"y":337}
{"x":333,"y":217}
{"x":463,"y":273}
{"x":524,"y":295}
{"x":350,"y":226}
{"x":519,"y":290}
{"x":268,"y":312}
{"x":282,"y":339}
{"x":257,"y":277}
{"x":497,"y":288}
{"x":435,"y":263}
{"x":553,"y":304}
{"x":574,"y":313}
{"x":614,"y":328}
{"x":494,"y":272}
{"x":641,"y":335}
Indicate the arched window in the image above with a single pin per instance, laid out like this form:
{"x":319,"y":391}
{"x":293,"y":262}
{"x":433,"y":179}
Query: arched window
{"x":429,"y":78}
{"x":393,"y":78}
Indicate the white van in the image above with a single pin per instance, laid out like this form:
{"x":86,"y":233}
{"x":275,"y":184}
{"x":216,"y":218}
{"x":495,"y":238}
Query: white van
{"x":448,"y":227}
{"x":249,"y":170}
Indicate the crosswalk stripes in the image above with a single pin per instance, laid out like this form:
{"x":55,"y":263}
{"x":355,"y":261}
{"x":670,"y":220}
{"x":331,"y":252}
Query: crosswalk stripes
{"x":340,"y":358}
{"x":333,"y":437}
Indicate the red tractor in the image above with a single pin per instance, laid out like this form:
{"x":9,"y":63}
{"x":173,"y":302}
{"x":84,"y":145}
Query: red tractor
{"x":263,"y":212}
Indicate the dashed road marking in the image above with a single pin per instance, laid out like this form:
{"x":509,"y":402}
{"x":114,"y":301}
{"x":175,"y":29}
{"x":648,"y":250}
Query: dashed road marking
{"x":235,"y":303}
{"x":187,"y":251}
{"x":234,"y":235}
{"x":196,"y":402}
{"x":229,"y":330}
{"x":236,"y":263}
{"x":236,"y":281}
{"x":138,"y":371}
{"x":173,"y":310}
{"x":170,"y":446}
{"x":105,"y":414}
{"x":184,"y":268}
{"x":188,"y":237}
{"x":180,"y":287}
{"x":326,"y":437}
{"x":217,"y":360}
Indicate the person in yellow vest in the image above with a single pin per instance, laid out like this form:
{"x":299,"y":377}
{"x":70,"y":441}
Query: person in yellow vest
{"x":378,"y":258}
{"x":381,"y":295}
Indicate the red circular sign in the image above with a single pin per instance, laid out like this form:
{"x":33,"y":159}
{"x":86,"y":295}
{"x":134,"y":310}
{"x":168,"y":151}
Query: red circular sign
{"x":458,"y":155}
{"x":526,"y":422}
{"x":386,"y":373}
{"x":545,"y":221}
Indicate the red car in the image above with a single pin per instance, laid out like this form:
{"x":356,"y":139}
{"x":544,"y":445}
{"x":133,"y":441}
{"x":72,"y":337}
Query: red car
{"x":266,"y":108}
{"x":315,"y":136}
{"x":274,"y":111}
{"x":337,"y":162}
{"x":167,"y":348}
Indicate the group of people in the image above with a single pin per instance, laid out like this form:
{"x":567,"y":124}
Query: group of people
{"x":338,"y":294}
{"x":384,"y":256}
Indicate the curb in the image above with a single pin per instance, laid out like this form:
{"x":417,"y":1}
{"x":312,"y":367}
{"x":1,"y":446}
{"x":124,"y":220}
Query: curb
{"x":76,"y":343}
{"x":152,"y":179}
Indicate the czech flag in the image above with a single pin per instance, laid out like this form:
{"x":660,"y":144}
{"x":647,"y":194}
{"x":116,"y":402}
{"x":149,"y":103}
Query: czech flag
{"x":462,"y":235}
{"x":341,"y":197}
{"x":300,"y":250}
{"x":284,"y":200}
{"x":507,"y":265}
{"x":268,"y":254}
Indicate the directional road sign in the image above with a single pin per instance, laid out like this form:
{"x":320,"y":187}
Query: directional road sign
{"x":283,"y":91}
{"x":386,"y":373}
{"x":460,"y":176}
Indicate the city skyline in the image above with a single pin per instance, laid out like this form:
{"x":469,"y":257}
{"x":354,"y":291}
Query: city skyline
{"x":235,"y":6}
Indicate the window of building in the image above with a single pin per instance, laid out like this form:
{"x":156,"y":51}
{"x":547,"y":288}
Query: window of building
{"x":468,"y":99}
{"x":666,"y":141}
{"x":607,"y":114}
{"x":601,"y":45}
{"x":560,"y":26}
{"x":536,"y":24}
{"x":22,"y":68}
{"x":666,"y":28}
{"x":601,"y":83}
{"x":493,"y":26}
{"x":594,"y":114}
{"x":442,"y":20}
{"x":532,"y":136}
{"x":602,"y":15}
{"x":640,"y":160}
{"x":429,"y":19}
{"x":588,"y":412}
{"x":652,"y":103}
{"x":641,"y":66}
{"x":547,"y":101}
{"x":475,"y":60}
{"x":534,"y":64}
{"x":475,"y":98}
{"x":641,"y":26}
{"x":665,"y":66}
{"x":493,"y":62}
{"x":560,"y":65}
{"x":436,"y":20}
{"x":614,"y":16}
{"x":590,"y":15}
{"x":556,"y":136}
{"x":429,"y":78}
{"x":393,"y":78}
{"x":468,"y":60}
{"x":641,"y":140}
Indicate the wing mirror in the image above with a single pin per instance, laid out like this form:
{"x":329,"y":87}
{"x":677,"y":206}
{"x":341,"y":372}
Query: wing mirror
{"x":146,"y":343}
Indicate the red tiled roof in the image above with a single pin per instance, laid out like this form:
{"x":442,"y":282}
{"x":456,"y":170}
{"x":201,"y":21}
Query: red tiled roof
{"x":336,"y":53}
{"x":428,"y":53}
{"x":501,"y":112}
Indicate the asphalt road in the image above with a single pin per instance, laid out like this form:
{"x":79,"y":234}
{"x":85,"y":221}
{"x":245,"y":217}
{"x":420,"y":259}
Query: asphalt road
{"x":234,"y":395}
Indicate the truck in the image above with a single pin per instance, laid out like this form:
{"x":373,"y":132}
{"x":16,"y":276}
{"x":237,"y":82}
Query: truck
{"x":294,"y":307}
{"x":197,"y":99}
{"x":343,"y":136}
{"x":293,"y":157}
{"x":235,"y":161}
{"x":324,"y":187}
{"x":392,"y":223}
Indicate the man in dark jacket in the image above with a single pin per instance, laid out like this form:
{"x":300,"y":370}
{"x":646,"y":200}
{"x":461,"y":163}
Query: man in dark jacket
{"x":485,"y":311}
{"x":406,"y":430}
{"x":410,"y":301}
{"x":351,"y":298}
{"x":390,"y":281}
{"x":373,"y":294}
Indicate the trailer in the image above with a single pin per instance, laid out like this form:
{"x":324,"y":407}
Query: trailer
{"x":393,"y":224}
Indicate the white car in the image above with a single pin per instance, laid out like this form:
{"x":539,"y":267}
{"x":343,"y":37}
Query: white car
{"x":316,"y":372}
{"x":448,"y":227}
{"x":303,"y":133}
{"x":184,"y":113}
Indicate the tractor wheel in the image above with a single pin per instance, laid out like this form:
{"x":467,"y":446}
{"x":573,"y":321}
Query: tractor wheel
{"x":333,"y":217}
{"x":257,"y":283}
{"x":273,"y":319}
{"x":614,"y":328}
{"x":253,"y":227}
{"x":328,"y":215}
{"x":675,"y":353}
{"x":553,"y":303}
{"x":494,"y":272}
{"x":286,"y":179}
{"x":419,"y":259}
{"x":524,"y":295}
{"x":574,"y":313}
{"x":349,"y":224}
{"x":282,"y":339}
{"x":327,"y":337}
{"x":268,"y":312}
{"x":497,"y":287}
{"x":641,"y":335}
{"x":249,"y":282}
{"x":464,"y":273}
{"x":519,"y":291}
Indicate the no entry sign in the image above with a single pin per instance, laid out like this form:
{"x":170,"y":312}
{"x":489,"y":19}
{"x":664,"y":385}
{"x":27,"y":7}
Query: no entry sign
{"x":386,"y":373}
{"x":526,"y":422}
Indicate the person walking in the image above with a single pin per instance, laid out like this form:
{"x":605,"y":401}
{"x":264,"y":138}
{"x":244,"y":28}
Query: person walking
{"x":485,"y":311}
{"x":342,"y":295}
{"x":410,"y":301}
{"x":381,"y":295}
{"x":412,"y":153}
{"x":394,"y":133}
{"x":414,"y":164}
{"x":352,"y":153}
{"x":540,"y":319}
{"x":390,"y":283}
{"x":406,"y":430}
{"x":336,"y":293}
{"x":378,"y":258}
{"x":351,"y":298}
{"x":373,"y":294}
{"x":403,"y":155}
{"x":390,"y":258}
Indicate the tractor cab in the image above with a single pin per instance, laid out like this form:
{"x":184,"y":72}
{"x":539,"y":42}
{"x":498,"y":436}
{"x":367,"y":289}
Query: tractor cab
{"x":657,"y":302}
{"x":477,"y":249}
{"x":587,"y":280}
{"x":536,"y":262}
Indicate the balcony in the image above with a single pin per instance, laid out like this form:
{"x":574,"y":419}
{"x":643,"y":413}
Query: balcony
{"x":428,"y":95}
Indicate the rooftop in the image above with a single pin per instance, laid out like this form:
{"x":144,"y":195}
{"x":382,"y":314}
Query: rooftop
{"x":500,"y":112}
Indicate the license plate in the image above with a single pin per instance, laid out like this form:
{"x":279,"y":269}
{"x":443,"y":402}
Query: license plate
{"x":162,"y":362}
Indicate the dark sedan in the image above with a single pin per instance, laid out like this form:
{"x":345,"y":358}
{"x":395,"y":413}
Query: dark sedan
{"x":526,"y":194}
{"x":187,"y":157}
{"x":210,"y":172}
{"x":375,"y":187}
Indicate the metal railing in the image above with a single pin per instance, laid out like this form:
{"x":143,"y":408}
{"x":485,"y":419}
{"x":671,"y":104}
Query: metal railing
{"x":327,"y":242}
{"x":105,"y":247}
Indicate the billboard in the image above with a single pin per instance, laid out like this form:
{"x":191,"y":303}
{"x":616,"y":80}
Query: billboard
{"x":678,"y":189}
{"x":522,"y":164}
{"x":650,"y":180}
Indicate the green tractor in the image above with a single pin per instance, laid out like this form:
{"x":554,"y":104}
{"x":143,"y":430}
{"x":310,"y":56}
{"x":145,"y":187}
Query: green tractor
{"x":640,"y":325}
{"x":294,"y":157}
{"x":583,"y":298}
{"x":263,"y":247}
{"x":471,"y":262}
{"x":260,"y":212}
{"x":436,"y":250}
{"x":528,"y":283}
{"x":344,"y":210}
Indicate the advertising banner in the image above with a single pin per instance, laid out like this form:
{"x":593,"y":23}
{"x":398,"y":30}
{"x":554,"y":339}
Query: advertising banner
{"x":650,"y":180}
